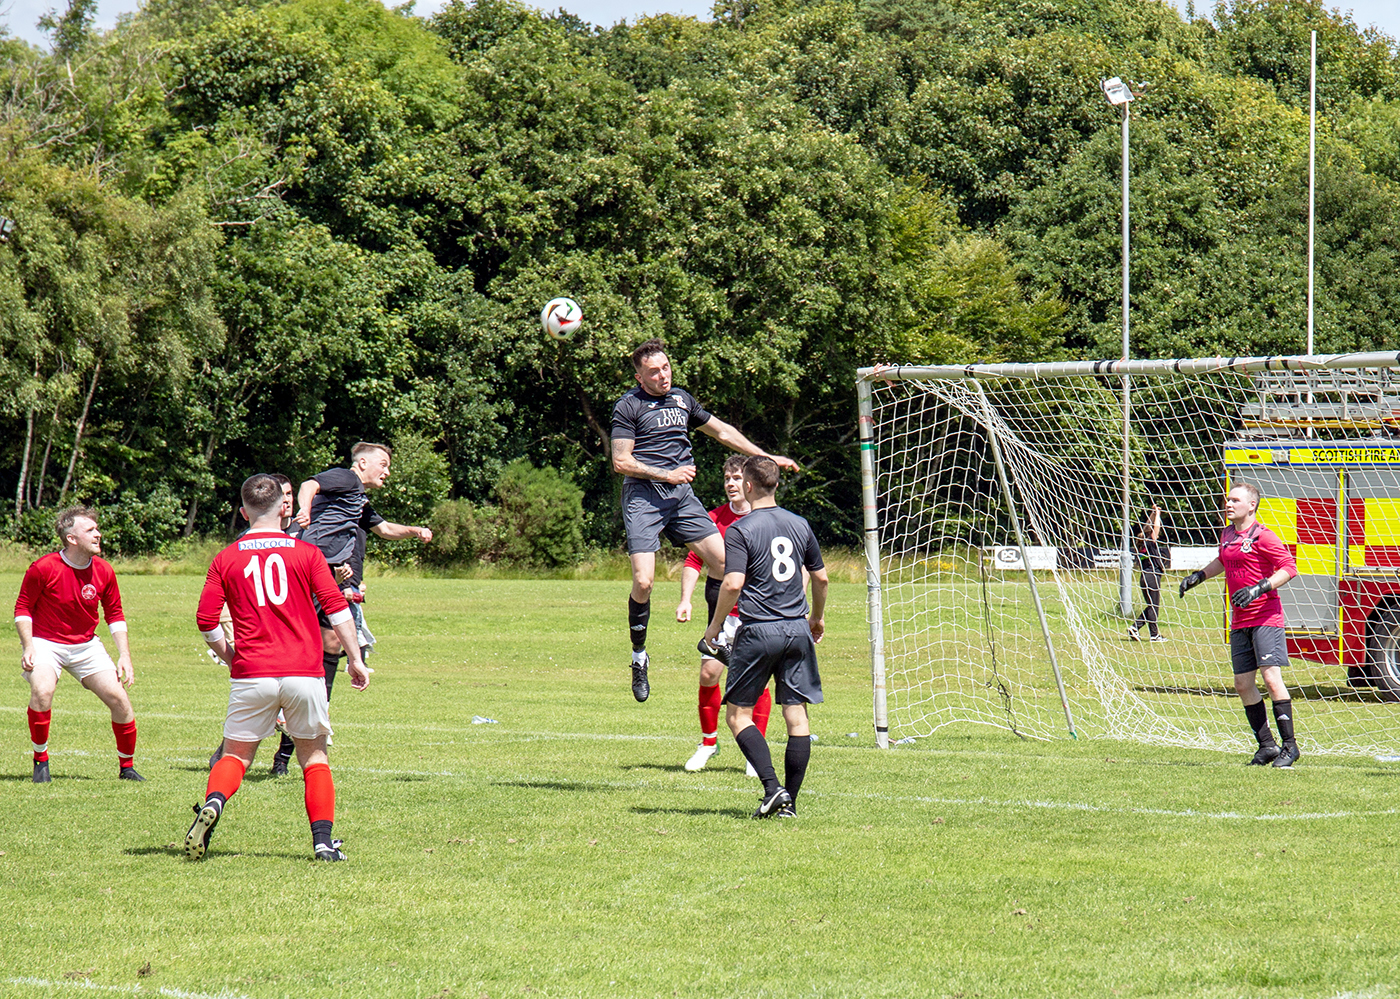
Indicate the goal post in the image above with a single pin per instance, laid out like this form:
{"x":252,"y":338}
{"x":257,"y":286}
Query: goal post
{"x":997,"y":499}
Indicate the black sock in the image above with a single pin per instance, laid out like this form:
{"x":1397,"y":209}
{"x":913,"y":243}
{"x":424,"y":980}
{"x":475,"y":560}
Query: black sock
{"x":321,"y":833}
{"x":755,"y":750}
{"x":1259,"y":723}
{"x":799,"y":751}
{"x":285,"y":749}
{"x":637,"y":617}
{"x":216,"y":796}
{"x":711,"y":597}
{"x":1283,"y":714}
{"x":330,"y":661}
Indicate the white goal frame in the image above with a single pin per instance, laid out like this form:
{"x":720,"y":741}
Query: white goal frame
{"x":975,"y":375}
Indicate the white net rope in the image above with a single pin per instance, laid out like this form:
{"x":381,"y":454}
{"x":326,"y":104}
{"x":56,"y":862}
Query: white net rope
{"x":963,"y":640}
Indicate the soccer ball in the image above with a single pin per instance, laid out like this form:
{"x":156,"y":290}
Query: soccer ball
{"x":561,"y":318}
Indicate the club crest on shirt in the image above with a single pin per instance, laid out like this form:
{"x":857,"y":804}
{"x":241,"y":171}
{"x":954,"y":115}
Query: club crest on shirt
{"x":89,"y":591}
{"x":1246,"y":545}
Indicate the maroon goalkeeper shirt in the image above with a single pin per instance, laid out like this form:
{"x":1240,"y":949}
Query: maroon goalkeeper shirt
{"x":1249,"y":557}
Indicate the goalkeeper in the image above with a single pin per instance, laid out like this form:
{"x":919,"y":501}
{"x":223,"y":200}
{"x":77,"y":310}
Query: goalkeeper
{"x":1255,"y":564}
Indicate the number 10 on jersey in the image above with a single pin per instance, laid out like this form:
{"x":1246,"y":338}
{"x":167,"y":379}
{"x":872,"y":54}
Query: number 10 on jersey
{"x":269,"y":580}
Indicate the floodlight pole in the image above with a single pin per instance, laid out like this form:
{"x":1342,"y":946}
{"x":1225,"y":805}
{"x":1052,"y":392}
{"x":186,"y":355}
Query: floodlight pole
{"x":1117,"y":92}
{"x":1312,"y":184}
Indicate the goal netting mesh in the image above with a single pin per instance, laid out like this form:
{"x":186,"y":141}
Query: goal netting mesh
{"x":957,"y":635}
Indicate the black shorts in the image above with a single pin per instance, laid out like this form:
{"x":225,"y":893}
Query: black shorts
{"x":783,"y":650}
{"x":650,"y":508}
{"x":1259,"y":647}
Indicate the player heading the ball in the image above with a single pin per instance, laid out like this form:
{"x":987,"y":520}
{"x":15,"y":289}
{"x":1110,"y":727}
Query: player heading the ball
{"x":268,"y":580}
{"x":1256,"y":563}
{"x":651,"y":427}
{"x":56,"y":617}
{"x":764,"y":555}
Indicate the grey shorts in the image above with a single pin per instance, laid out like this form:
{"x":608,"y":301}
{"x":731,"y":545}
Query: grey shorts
{"x":783,"y":650}
{"x":1258,"y":648}
{"x":651,"y":508}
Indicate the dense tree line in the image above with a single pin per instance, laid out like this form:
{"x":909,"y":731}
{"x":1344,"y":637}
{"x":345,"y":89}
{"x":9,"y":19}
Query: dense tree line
{"x":245,"y":234}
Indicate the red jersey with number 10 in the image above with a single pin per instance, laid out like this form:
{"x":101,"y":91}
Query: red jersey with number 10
{"x":267,"y":579}
{"x":1249,"y":557}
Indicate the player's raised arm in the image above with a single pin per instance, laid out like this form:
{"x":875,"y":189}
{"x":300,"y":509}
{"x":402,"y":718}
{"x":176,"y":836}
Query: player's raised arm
{"x":396,"y":532}
{"x":736,"y":441}
{"x":305,"y":495}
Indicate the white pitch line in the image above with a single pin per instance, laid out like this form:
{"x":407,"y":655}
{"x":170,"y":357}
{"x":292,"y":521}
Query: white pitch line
{"x":129,"y":989}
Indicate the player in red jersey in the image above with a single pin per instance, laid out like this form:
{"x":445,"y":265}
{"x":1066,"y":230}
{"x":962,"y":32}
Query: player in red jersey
{"x":268,"y":580}
{"x":711,"y":669}
{"x":56,"y":617}
{"x":1256,"y":563}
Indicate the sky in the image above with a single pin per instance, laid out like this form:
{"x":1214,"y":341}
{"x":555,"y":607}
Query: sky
{"x":21,"y":15}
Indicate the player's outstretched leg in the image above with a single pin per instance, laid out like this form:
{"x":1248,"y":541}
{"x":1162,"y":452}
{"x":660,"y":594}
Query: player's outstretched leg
{"x":39,"y":738}
{"x":224,"y":781}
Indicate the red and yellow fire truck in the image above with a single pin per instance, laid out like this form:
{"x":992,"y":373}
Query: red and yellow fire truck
{"x":1336,"y":504}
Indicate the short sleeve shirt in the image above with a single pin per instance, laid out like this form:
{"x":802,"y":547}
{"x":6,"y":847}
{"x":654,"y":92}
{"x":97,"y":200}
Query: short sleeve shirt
{"x":61,"y":601}
{"x":770,"y":546}
{"x":1154,"y":555}
{"x":1248,"y":558}
{"x":659,"y":426}
{"x":337,"y":509}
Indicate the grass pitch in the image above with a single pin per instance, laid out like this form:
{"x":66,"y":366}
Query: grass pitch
{"x":563,"y":852}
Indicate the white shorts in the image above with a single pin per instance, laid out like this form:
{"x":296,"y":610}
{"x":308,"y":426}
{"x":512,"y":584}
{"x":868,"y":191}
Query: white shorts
{"x":82,"y":660}
{"x":253,"y":705}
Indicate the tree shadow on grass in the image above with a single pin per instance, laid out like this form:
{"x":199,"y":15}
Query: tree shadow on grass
{"x":735,"y":813}
{"x":551,"y":785}
{"x":672,"y":768}
{"x":177,"y":850}
{"x":56,"y":778}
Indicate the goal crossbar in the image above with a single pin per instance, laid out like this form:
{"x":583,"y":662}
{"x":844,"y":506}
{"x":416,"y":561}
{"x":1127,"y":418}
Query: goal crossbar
{"x":1178,"y":366}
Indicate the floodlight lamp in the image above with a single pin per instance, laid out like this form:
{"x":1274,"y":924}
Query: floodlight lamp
{"x":1116,"y":91}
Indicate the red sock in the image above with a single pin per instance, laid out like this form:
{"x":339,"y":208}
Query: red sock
{"x":225,"y":777}
{"x":710,"y":699}
{"x":126,"y":741}
{"x":320,"y":792}
{"x":762,"y":710}
{"x":39,"y":733}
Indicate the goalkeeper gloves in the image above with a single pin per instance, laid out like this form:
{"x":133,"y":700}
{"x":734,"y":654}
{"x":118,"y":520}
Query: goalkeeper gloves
{"x":1246,"y":595}
{"x":716,"y":651}
{"x":1195,"y":579}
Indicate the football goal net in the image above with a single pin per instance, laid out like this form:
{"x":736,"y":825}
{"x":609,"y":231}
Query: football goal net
{"x":1008,"y":518}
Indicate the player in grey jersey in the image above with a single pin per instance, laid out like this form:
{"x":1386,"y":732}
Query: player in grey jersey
{"x":651,"y":427}
{"x":764,"y":555}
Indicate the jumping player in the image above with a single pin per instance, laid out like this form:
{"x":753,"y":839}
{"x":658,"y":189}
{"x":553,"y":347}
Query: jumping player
{"x":268,"y":581}
{"x":651,"y":447}
{"x":711,"y":668}
{"x":56,"y":617}
{"x":764,"y":554}
{"x":1255,"y":564}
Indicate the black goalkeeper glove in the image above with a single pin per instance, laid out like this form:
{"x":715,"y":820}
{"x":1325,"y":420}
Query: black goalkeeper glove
{"x":1246,"y":595}
{"x":1195,"y":579}
{"x":715,"y":651}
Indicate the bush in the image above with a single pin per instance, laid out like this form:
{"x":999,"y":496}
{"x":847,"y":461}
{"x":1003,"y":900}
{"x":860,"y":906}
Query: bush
{"x":34,"y":529}
{"x":462,"y":533}
{"x":417,"y":481}
{"x":540,"y":517}
{"x":141,"y":526}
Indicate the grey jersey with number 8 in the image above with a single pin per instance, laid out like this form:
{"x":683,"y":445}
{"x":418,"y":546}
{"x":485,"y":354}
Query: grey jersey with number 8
{"x":770,"y":546}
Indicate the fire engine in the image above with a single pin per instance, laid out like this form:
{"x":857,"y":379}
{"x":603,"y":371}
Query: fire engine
{"x":1336,"y":504}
